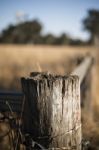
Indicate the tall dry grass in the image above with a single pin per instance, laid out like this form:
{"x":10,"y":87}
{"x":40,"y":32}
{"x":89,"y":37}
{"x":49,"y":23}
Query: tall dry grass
{"x":19,"y":60}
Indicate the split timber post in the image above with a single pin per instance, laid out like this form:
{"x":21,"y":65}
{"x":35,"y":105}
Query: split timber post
{"x":52,"y":114}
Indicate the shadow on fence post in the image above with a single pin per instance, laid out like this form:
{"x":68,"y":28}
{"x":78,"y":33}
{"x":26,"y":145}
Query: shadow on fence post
{"x":52,"y":113}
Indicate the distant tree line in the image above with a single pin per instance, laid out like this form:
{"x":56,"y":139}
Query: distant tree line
{"x":31,"y":32}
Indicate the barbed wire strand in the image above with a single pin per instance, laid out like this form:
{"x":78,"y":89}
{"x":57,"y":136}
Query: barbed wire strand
{"x":56,"y":148}
{"x":19,"y":129}
{"x":62,"y":134}
{"x":7,"y":103}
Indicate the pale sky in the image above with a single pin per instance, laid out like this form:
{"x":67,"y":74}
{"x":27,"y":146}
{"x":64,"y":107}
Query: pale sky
{"x":57,"y":16}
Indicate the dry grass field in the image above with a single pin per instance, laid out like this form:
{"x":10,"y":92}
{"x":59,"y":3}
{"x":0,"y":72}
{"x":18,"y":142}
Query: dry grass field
{"x":19,"y":60}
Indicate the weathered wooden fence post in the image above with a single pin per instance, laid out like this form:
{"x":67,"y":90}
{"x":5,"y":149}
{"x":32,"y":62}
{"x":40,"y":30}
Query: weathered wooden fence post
{"x":52,"y":113}
{"x":86,"y":92}
{"x":84,"y":72}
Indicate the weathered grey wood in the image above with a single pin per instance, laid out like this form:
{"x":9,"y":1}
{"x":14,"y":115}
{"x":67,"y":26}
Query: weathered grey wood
{"x":52,"y":113}
{"x":86,"y":92}
{"x":83,"y":68}
{"x":84,"y":71}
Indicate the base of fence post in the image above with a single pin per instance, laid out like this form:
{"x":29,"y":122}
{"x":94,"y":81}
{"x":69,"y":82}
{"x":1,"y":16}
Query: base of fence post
{"x":52,"y":112}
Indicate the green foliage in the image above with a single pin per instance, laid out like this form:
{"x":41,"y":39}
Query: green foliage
{"x":63,"y":39}
{"x":91,"y":23}
{"x":27,"y":32}
{"x":77,"y":42}
{"x":49,"y":39}
{"x":30,"y":32}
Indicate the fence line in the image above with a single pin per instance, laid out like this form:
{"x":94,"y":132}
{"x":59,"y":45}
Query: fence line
{"x":82,"y":69}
